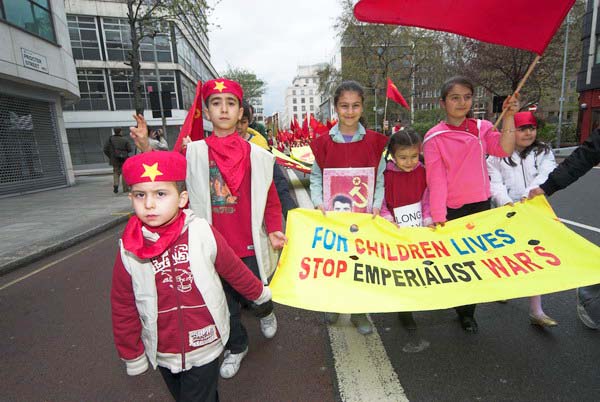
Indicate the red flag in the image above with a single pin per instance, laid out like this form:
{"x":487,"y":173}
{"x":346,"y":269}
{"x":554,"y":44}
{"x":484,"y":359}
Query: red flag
{"x":505,"y":23}
{"x":395,"y":95}
{"x":193,"y":124}
{"x":304,"y":128}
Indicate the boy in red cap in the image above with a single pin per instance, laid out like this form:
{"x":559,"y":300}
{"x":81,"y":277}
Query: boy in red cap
{"x":168,"y":303}
{"x":230,"y":183}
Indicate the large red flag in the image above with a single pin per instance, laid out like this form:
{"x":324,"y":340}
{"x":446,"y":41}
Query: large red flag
{"x":395,"y":95}
{"x":507,"y":22}
{"x":193,"y":124}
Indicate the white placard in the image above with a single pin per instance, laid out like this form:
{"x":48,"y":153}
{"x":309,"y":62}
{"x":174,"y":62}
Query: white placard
{"x":409,"y":215}
{"x":34,"y":61}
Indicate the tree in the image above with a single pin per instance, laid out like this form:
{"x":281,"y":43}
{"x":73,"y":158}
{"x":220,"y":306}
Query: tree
{"x":253,"y":86}
{"x":499,"y":69}
{"x":149,"y":18}
{"x":371,"y":53}
{"x":329,"y":78}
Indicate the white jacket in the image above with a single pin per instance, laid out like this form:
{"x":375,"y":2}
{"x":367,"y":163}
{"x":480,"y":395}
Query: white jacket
{"x":511,"y":183}
{"x":202,"y":254}
{"x":261,"y":177}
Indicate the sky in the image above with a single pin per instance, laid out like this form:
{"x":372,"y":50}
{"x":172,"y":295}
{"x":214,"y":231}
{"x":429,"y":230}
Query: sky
{"x":271,"y":38}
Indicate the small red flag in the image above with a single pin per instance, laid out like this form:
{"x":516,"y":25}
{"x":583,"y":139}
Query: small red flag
{"x":505,"y":23}
{"x":395,"y":95}
{"x":193,"y":124}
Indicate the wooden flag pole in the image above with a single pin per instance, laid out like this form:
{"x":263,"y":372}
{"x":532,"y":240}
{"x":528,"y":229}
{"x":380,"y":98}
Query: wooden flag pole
{"x":521,"y":83}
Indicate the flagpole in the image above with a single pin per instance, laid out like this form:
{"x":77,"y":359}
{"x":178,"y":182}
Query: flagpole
{"x":521,"y":83}
{"x":385,"y":111}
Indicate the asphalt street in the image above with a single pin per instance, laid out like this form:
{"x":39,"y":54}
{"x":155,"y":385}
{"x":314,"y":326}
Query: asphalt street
{"x":56,"y":341}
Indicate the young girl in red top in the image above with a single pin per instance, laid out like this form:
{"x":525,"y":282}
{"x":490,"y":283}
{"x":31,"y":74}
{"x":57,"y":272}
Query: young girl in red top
{"x":405,"y":184}
{"x":348,"y":144}
{"x":455,"y":152}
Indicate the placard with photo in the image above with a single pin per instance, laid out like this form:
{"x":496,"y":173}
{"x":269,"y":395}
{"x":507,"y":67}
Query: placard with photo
{"x":349,"y":189}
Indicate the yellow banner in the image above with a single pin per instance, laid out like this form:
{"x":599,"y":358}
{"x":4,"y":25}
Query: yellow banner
{"x":351,"y":263}
{"x":303,"y":154}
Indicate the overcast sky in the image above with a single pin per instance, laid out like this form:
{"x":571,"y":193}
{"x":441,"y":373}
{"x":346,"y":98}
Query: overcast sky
{"x":271,"y":38}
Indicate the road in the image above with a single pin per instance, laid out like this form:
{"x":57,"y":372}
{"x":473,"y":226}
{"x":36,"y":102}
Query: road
{"x":56,"y":342}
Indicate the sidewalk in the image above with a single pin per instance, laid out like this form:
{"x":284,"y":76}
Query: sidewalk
{"x":38,"y":224}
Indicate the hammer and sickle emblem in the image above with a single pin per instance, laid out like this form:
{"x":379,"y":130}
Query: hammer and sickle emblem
{"x":355,"y":193}
{"x":197,"y":113}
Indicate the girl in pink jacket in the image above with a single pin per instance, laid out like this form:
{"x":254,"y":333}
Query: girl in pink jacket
{"x":455,"y":152}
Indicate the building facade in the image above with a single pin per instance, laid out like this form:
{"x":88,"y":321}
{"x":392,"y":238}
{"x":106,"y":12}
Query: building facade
{"x":302,"y":96}
{"x":100,"y":38}
{"x":588,"y":78}
{"x":37,"y":77}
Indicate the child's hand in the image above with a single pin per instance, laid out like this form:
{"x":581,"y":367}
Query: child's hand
{"x":139,"y":133}
{"x":376,"y":212}
{"x":509,"y":204}
{"x":277,"y":239}
{"x":511,"y":104}
{"x":185,"y":141}
{"x":534,"y":192}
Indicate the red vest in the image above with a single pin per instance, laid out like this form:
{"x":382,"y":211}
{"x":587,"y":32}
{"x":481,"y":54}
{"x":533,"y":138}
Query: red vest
{"x":404,"y":188}
{"x":364,"y":153}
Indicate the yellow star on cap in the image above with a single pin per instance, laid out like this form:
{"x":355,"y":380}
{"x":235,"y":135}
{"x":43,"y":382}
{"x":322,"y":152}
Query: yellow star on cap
{"x":151,"y":171}
{"x":220,"y":86}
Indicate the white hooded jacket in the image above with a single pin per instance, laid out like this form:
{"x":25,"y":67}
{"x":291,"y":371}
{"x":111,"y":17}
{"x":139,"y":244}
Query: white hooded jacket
{"x":511,"y":183}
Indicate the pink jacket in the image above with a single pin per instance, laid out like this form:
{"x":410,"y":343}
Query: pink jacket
{"x":456,"y":167}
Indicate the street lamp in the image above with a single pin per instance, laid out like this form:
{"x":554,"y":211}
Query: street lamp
{"x":380,"y":51}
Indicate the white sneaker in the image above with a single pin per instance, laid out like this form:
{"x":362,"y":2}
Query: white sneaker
{"x":268,"y":325}
{"x":231,"y":363}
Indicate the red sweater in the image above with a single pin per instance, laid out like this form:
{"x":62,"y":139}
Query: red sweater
{"x":181,"y":309}
{"x":364,"y":153}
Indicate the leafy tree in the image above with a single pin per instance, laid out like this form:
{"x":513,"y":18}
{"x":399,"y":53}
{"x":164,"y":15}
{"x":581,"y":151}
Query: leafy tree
{"x":149,"y":18}
{"x":371,"y":53}
{"x":253,"y":86}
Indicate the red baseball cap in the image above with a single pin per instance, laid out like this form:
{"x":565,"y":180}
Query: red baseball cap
{"x":222,"y":86}
{"x":154,"y":166}
{"x":525,"y":119}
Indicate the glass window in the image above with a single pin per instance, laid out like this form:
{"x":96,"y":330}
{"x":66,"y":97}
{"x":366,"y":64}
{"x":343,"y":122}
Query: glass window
{"x":92,"y":87}
{"x":310,"y":100}
{"x":123,"y":90}
{"x":294,"y":100}
{"x":303,"y":100}
{"x":117,"y":38}
{"x":294,"y":92}
{"x":295,"y":108}
{"x":303,"y":108}
{"x":32,"y":15}
{"x":302,"y":92}
{"x":84,"y":37}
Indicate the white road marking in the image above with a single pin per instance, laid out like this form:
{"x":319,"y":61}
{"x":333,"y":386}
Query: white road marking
{"x":364,"y":371}
{"x":53,"y":263}
{"x":581,"y":225}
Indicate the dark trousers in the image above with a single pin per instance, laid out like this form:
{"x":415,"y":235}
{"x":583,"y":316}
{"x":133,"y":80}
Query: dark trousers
{"x":467,"y":209}
{"x":238,"y":336}
{"x":196,"y":385}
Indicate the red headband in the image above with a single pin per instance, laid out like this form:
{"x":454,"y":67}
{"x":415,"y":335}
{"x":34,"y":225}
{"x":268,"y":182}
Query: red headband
{"x":222,"y":86}
{"x":525,"y":119}
{"x":154,"y":166}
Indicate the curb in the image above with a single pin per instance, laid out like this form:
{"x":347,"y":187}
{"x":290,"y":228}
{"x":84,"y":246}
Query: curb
{"x":62,"y":245}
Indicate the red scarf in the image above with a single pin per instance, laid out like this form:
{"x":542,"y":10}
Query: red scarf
{"x":232,"y":156}
{"x":144,"y":248}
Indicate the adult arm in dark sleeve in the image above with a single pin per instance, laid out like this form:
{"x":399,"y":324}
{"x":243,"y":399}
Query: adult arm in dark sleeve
{"x":283,"y":190}
{"x":584,"y":158}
